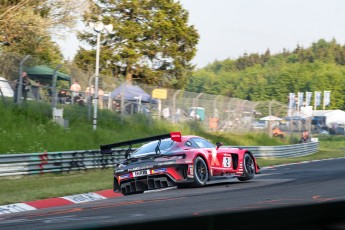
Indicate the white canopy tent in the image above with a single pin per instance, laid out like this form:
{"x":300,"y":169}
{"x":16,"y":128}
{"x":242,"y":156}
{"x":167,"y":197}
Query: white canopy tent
{"x":5,"y":88}
{"x":271,"y":118}
{"x":335,"y":117}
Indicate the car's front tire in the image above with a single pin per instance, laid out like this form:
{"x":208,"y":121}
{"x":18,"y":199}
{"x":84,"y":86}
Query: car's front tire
{"x":200,"y":172}
{"x":248,"y":168}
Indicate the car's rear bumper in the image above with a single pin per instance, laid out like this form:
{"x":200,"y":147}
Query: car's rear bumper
{"x":160,"y":178}
{"x":141,"y":184}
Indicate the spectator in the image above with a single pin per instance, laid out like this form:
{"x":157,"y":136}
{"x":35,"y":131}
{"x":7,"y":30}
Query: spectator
{"x":35,"y":88}
{"x":100,"y":98}
{"x":62,"y":96}
{"x":194,"y":115}
{"x":305,"y":136}
{"x":75,"y":88}
{"x":68,"y":98}
{"x":79,"y":100}
{"x":89,"y":91}
{"x":277,"y":132}
{"x":46,"y":92}
{"x":117,"y":103}
{"x":25,"y":87}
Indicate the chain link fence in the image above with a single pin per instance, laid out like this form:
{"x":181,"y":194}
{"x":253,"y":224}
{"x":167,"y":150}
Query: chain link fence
{"x":213,"y":112}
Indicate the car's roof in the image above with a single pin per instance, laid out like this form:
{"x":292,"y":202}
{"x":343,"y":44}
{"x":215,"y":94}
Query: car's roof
{"x":184,"y":138}
{"x":187,"y":137}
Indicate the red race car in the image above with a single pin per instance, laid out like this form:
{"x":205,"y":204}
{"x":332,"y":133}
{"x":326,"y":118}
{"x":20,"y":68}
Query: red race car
{"x":174,"y":160}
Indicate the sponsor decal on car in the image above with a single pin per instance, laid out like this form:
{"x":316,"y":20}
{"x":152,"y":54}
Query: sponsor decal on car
{"x":159,"y":170}
{"x":214,"y":160}
{"x":227,"y":162}
{"x":140,"y":168}
{"x":167,"y":163}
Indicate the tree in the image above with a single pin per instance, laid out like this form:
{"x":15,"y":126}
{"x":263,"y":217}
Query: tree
{"x":29,"y":26}
{"x":152,"y":41}
{"x":272,"y":77}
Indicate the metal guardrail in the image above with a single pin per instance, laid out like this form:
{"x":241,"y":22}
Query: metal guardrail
{"x":283,"y":151}
{"x":48,"y":162}
{"x":37,"y":163}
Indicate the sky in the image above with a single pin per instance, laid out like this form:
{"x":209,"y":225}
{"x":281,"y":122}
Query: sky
{"x":230,"y":28}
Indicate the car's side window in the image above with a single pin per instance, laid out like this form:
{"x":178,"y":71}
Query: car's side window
{"x":199,"y":143}
{"x":202,"y":143}
{"x":191,"y":144}
{"x":188,"y":144}
{"x":208,"y":144}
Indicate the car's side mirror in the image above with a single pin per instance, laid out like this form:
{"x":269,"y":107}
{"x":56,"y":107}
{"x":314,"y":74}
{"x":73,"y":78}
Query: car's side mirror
{"x":218,"y":144}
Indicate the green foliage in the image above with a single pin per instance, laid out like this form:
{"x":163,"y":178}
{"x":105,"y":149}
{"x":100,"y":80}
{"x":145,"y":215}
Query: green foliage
{"x":254,"y":77}
{"x":26,"y":33}
{"x":152,"y":41}
{"x":330,"y":141}
{"x":28,"y":27}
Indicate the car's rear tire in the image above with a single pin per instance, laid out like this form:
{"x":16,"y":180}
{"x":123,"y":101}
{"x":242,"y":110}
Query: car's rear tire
{"x":248,"y":168}
{"x":200,"y":172}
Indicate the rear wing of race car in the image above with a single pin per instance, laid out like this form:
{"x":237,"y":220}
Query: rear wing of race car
{"x":106,"y":149}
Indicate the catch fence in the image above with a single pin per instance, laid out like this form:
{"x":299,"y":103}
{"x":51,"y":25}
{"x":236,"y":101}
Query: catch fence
{"x":213,"y":112}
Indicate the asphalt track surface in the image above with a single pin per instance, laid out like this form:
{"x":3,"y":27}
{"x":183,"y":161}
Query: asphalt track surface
{"x":316,"y":182}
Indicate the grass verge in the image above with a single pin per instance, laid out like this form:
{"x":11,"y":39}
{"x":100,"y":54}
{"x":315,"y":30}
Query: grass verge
{"x":35,"y":187}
